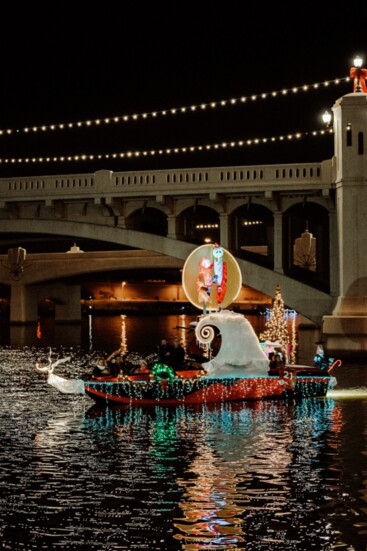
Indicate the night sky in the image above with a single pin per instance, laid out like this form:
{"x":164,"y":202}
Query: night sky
{"x":70,"y":67}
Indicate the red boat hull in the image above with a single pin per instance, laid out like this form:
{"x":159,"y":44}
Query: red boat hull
{"x":139,"y":392}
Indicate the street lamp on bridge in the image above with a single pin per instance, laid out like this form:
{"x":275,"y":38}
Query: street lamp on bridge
{"x":359,"y":75}
{"x":326,"y":117}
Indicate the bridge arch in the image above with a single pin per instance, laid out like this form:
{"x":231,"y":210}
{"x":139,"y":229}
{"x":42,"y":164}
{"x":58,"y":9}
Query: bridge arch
{"x":199,"y":223}
{"x":148,"y":220}
{"x":312,"y":303}
{"x":307,"y":243}
{"x":252,"y":233}
{"x":132,"y":207}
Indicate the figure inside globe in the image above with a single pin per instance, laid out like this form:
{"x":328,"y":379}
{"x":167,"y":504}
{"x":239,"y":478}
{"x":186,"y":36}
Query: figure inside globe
{"x":220,"y":274}
{"x":204,"y":282}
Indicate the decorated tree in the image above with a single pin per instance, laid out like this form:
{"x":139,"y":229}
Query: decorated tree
{"x":276,"y":328}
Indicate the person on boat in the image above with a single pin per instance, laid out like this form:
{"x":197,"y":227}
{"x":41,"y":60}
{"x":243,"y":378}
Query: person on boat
{"x":272,"y":359}
{"x":111,"y":366}
{"x":276,"y":363}
{"x":321,"y":361}
{"x":178,"y":354}
{"x":117,"y":365}
{"x":142,"y":368}
{"x":165,"y":351}
{"x":101,"y":369}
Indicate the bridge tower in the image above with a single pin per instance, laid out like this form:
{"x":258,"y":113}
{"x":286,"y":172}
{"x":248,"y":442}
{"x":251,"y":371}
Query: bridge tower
{"x":345,"y":331}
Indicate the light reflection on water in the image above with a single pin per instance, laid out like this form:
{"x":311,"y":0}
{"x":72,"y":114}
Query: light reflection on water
{"x":142,"y":333}
{"x":259,"y":476}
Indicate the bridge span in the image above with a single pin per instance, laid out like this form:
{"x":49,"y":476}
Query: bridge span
{"x":177,"y":209}
{"x":40,"y":271}
{"x":299,"y":225}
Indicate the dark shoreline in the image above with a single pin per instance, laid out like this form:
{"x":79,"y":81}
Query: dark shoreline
{"x":156,"y":307}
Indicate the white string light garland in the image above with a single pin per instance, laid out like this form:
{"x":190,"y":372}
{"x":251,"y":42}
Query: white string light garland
{"x":168,"y":151}
{"x":173,"y":111}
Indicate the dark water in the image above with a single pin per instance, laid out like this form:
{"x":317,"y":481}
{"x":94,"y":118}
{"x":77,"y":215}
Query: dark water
{"x":263,"y":475}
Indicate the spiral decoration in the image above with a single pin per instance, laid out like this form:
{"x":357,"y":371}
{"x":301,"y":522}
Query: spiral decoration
{"x":205,"y":334}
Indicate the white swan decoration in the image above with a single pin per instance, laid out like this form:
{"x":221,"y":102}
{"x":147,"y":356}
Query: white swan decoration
{"x":66,"y":386}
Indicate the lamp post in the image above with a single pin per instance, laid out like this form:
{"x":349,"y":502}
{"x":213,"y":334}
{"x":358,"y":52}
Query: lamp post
{"x":326,"y":117}
{"x":359,"y":75}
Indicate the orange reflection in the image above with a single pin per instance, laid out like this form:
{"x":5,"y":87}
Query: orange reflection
{"x":210,"y":514}
{"x":39,"y":332}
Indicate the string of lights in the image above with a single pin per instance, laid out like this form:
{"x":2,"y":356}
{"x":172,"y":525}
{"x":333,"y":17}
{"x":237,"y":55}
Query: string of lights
{"x":172,"y":111}
{"x":168,"y":151}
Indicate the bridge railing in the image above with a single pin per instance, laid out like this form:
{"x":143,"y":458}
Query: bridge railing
{"x":174,"y":181}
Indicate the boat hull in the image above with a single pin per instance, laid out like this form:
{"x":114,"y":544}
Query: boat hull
{"x":196,"y":390}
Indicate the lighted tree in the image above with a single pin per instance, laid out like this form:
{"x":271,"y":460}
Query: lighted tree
{"x":276,"y":328}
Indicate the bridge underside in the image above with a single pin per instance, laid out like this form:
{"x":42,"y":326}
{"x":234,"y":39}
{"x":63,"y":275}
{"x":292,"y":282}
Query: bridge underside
{"x":308,"y":301}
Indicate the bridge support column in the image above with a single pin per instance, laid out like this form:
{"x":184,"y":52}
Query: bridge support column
{"x":224,"y":229}
{"x":334,"y":273}
{"x":25,"y":299}
{"x":21,"y":310}
{"x":278,"y":243}
{"x":172,"y":230}
{"x":69,"y":309}
{"x":345,"y":331}
{"x":121,"y":222}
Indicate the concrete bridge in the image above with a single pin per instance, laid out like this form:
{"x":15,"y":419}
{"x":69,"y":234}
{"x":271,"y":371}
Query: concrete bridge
{"x":106,"y":206}
{"x":256,"y":212}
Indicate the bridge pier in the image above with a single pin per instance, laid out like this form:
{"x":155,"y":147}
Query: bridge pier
{"x":334,"y":270}
{"x":224,"y":229}
{"x":345,"y":331}
{"x":18,"y":303}
{"x":171,"y":222}
{"x":25,"y":301}
{"x":278,"y":243}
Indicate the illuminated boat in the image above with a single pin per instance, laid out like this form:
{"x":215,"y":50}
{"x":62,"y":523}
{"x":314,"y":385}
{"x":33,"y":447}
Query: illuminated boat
{"x":200,"y":390}
{"x":187,"y":388}
{"x":239,"y":370}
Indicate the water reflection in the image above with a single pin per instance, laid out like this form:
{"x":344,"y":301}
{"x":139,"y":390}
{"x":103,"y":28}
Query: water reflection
{"x":263,"y":474}
{"x":249,"y":471}
{"x":133,"y":333}
{"x":236,"y":484}
{"x":266,"y":475}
